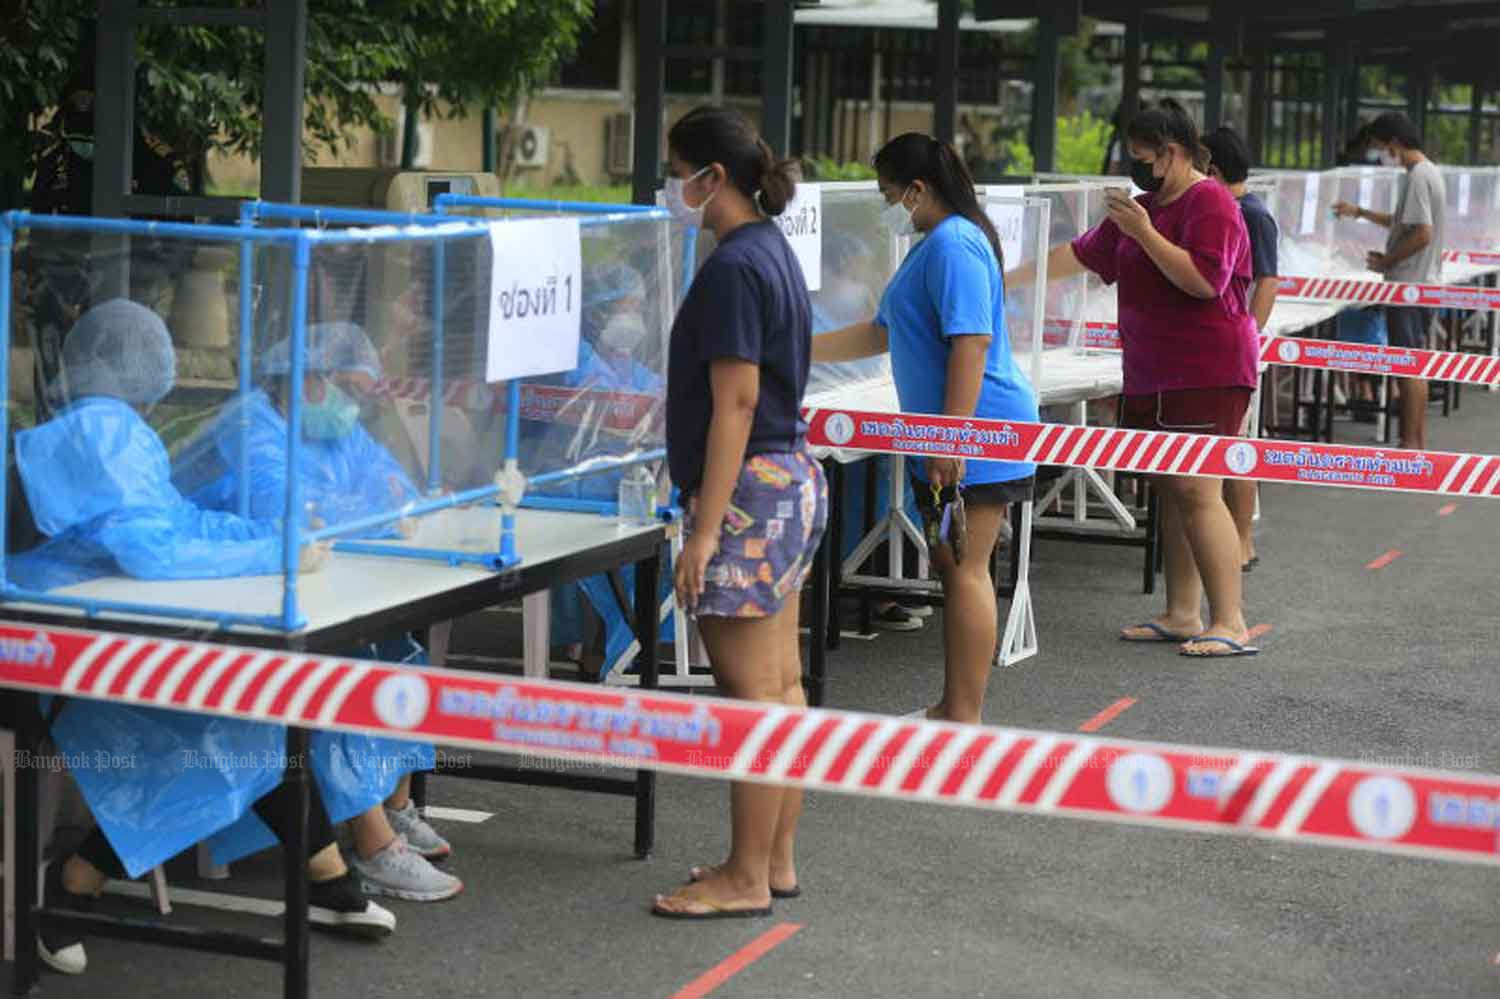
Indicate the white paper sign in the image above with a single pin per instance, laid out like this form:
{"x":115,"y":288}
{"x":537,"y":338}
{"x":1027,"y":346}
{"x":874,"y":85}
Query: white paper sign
{"x":1009,"y":219}
{"x":1310,"y":205}
{"x":1366,"y":189}
{"x":1464,"y":182}
{"x":536,"y":286}
{"x":802,"y":224}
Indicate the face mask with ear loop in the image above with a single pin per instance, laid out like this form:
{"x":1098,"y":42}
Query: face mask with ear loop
{"x":897,"y":217}
{"x":682,"y":213}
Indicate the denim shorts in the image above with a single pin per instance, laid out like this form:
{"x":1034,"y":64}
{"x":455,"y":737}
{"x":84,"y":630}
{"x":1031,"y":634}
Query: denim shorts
{"x":776,"y":518}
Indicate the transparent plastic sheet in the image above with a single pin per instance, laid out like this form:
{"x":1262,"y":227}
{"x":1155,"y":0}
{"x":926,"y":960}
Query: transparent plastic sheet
{"x":1350,"y":240}
{"x":132,"y":353}
{"x":611,"y":408}
{"x":1472,"y":214}
{"x":1100,"y":301}
{"x":859,"y":257}
{"x":1066,"y":305}
{"x":1302,"y":204}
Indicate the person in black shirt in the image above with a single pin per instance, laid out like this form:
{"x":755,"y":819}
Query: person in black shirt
{"x":755,"y":498}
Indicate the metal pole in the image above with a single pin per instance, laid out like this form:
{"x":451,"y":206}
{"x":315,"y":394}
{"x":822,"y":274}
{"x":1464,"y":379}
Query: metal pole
{"x":1130,"y":91}
{"x":1258,"y":111}
{"x":487,"y":141}
{"x":945,"y":90}
{"x":650,"y":37}
{"x":286,"y":69}
{"x":1044,"y":98}
{"x":114,"y":108}
{"x":296,"y":948}
{"x":776,"y":125}
{"x":1476,"y":120}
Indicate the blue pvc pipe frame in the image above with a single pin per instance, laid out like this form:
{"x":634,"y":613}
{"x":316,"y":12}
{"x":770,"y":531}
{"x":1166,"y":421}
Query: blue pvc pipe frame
{"x":598,"y":213}
{"x":301,"y":242}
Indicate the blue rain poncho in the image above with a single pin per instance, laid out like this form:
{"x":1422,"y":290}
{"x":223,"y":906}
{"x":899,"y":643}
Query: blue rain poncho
{"x":98,"y":484}
{"x":342,"y":479}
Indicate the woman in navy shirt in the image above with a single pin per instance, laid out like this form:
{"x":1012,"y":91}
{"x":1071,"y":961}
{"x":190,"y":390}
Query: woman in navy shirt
{"x":755,"y":498}
{"x":942,"y":318}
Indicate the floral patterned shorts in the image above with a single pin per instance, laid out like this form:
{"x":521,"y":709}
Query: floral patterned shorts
{"x":776,"y":518}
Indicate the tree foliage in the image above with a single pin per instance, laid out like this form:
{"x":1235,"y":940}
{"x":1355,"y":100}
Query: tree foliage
{"x":202,"y":88}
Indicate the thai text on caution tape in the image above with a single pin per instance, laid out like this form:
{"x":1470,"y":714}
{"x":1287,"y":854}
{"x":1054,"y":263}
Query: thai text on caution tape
{"x":1331,"y":355}
{"x":1155,"y":452}
{"x":1450,"y":816}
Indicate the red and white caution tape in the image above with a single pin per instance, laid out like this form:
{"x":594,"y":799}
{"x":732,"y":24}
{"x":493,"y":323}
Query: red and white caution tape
{"x":1477,"y":258}
{"x":1156,"y":452}
{"x":1421,"y":296}
{"x":1333,"y":355}
{"x":1399,"y":810}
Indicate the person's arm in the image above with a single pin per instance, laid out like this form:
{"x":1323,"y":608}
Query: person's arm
{"x":1345,"y":210}
{"x":1172,"y":260}
{"x":967,"y":353}
{"x":736,"y":391}
{"x":1415,"y":240}
{"x":851,"y":343}
{"x":1262,"y":298}
{"x":1062,"y":263}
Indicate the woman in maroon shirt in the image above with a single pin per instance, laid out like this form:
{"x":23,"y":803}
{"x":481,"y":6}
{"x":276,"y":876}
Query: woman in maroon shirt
{"x":1180,"y":255}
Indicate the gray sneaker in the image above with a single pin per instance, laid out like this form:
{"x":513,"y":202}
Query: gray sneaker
{"x":420,"y":836}
{"x":401,"y":872}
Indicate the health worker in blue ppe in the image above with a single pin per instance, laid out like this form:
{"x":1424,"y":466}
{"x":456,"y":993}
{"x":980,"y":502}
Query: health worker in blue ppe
{"x":95,"y":480}
{"x":616,"y":340}
{"x":345,"y":474}
{"x":850,"y":272}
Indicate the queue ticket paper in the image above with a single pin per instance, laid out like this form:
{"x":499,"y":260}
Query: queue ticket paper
{"x":536,"y":288}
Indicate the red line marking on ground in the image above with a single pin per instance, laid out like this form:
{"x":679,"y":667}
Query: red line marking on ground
{"x":1385,"y":559}
{"x":1447,"y":509}
{"x":1108,"y":715}
{"x":737,"y":962}
{"x":1257,"y":631}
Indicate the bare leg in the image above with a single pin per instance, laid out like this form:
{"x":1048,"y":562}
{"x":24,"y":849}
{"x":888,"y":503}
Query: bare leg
{"x":1213,"y":550}
{"x":1413,"y":413}
{"x":749,"y":665}
{"x":401,"y":795}
{"x":1239,"y":496}
{"x":372,"y":832}
{"x":970,"y":624}
{"x":1184,"y":588}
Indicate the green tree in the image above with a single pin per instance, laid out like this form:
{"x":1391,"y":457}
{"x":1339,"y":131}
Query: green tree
{"x":1081,"y":139}
{"x":200,"y":89}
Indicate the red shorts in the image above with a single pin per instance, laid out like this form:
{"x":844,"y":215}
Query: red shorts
{"x":1216,"y":411}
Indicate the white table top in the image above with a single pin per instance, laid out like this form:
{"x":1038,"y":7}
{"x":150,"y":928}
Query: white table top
{"x":349,"y":587}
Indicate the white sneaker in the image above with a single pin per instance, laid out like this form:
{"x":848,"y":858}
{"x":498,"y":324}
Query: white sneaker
{"x":401,"y":872}
{"x":420,"y":836}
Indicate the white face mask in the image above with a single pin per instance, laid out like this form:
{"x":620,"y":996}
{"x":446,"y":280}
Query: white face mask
{"x":1390,"y":159}
{"x":1373,"y":156}
{"x":897,"y":217}
{"x":682,"y":212}
{"x":623,"y":332}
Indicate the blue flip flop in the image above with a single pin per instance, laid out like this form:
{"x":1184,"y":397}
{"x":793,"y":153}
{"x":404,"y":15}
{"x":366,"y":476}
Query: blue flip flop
{"x":1235,"y":648}
{"x":1158,"y":634}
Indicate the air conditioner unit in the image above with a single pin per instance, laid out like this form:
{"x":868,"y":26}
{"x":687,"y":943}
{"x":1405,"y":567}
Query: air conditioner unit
{"x":619,"y":144}
{"x":390,"y":146}
{"x":530,"y":144}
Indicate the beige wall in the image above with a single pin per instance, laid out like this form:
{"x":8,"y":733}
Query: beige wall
{"x":576,"y":122}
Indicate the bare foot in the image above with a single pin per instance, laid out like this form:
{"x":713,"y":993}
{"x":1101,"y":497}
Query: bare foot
{"x":1145,"y":633}
{"x":1201,"y":646}
{"x":715,"y":893}
{"x":783,"y":876}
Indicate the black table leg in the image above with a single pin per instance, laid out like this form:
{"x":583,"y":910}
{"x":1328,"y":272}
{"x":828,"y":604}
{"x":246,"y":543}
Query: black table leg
{"x":1153,"y":538}
{"x":834,"y":472}
{"x":817,"y":651}
{"x":648,"y":666}
{"x":28,"y":848}
{"x":296,"y":946}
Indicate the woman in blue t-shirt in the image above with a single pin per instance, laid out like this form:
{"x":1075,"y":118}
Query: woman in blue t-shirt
{"x":942,"y":318}
{"x":756,"y":501}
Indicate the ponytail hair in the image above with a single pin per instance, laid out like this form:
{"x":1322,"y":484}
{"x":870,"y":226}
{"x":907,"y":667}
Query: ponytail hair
{"x":708,"y":135}
{"x":1168,"y":122}
{"x":915,"y":156}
